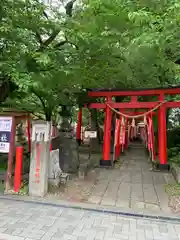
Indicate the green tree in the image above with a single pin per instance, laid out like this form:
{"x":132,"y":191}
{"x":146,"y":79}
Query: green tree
{"x":94,"y":44}
{"x":35,"y":55}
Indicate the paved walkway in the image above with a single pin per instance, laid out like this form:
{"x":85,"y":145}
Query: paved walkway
{"x":133,"y":185}
{"x":26,"y":221}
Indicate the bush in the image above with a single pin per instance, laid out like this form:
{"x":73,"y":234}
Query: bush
{"x":174,"y":151}
{"x":173,"y":142}
{"x":175,"y":159}
{"x":173,"y":137}
{"x":173,"y":145}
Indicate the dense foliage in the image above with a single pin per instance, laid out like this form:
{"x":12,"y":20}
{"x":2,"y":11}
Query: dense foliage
{"x":51,"y":53}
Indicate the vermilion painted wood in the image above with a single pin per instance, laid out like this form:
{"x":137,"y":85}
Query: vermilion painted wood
{"x":148,"y":92}
{"x":29,"y":134}
{"x":18,"y":168}
{"x":134,"y":104}
{"x":172,"y":104}
{"x":129,"y":105}
{"x":153,"y":139}
{"x":107,"y":132}
{"x":125,"y":105}
{"x":117,"y":139}
{"x":162,"y":139}
{"x":10,"y":154}
{"x":133,"y":98}
{"x":79,"y":125}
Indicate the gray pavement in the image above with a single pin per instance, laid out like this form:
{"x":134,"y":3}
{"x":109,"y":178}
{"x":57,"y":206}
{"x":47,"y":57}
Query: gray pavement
{"x":133,"y":185}
{"x":27,"y":221}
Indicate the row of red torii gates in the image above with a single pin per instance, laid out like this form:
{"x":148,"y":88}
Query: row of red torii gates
{"x":148,"y":110}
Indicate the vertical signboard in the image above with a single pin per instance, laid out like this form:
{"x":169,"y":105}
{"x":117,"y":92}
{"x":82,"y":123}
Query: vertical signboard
{"x":5,"y":134}
{"x":40,"y":156}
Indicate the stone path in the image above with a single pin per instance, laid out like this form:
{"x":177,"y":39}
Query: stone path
{"x":27,"y":221}
{"x":133,"y":185}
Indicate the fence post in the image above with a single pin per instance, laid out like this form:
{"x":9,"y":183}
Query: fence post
{"x":18,"y":168}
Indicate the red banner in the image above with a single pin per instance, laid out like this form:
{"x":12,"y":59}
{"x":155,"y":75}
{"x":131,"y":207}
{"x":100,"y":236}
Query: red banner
{"x":149,"y":134}
{"x":117,"y":132}
{"x":151,"y":140}
{"x":122,"y":131}
{"x":117,"y":140}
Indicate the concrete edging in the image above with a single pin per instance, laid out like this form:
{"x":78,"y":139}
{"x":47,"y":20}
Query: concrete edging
{"x":92,"y":207}
{"x":175,"y":170}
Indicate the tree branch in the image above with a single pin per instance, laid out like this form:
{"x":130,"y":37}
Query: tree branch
{"x":38,"y":37}
{"x":177,"y":62}
{"x":69,"y":8}
{"x":40,"y":98}
{"x":47,"y":109}
{"x":46,"y":43}
{"x":64,"y":42}
{"x":44,"y":13}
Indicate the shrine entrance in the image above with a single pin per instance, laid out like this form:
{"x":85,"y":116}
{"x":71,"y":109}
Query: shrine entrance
{"x":131,"y":124}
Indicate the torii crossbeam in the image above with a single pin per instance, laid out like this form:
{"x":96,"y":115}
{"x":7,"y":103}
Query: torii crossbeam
{"x":108,"y":94}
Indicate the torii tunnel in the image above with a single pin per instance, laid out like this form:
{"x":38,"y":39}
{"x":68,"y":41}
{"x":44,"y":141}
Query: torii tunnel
{"x":109,"y":104}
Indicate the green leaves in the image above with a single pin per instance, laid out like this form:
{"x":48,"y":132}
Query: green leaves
{"x":124,"y":44}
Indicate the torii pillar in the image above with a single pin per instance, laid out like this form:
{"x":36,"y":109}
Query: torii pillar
{"x":162,"y":138}
{"x":106,"y":161}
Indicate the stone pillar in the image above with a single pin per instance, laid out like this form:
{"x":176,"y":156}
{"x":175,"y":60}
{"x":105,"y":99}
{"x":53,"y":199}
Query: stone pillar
{"x":40,"y":155}
{"x":54,"y":170}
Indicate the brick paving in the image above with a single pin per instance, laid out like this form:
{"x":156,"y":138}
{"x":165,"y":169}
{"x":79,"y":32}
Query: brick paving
{"x":133,"y":185}
{"x":27,"y":221}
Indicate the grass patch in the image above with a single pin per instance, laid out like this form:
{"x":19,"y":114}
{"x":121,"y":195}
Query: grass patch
{"x":3,"y":165}
{"x":173,"y":189}
{"x":117,"y":164}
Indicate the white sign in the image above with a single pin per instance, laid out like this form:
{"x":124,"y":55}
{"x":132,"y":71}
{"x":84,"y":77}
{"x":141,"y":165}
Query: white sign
{"x":5,"y":133}
{"x":90,"y":134}
{"x":41,"y":132}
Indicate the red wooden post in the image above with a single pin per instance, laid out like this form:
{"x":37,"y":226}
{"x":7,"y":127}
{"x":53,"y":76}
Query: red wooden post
{"x":18,"y":168}
{"x":126,"y":137}
{"x":119,"y":139}
{"x":142,"y":92}
{"x":29,"y":133}
{"x":50,"y":147}
{"x":125,"y":141}
{"x":153,"y":140}
{"x":8,"y":182}
{"x":162,"y":141}
{"x":133,"y":98}
{"x":107,"y":137}
{"x":79,"y":125}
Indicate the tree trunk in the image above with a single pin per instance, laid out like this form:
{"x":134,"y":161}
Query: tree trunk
{"x":68,"y":148}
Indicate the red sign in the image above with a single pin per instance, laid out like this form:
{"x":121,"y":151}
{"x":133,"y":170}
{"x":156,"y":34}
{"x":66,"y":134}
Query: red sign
{"x":149,"y":134}
{"x":122,"y":131}
{"x":117,"y":131}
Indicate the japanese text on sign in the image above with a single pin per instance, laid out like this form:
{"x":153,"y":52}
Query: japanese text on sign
{"x":90,"y":134}
{"x":5,"y":133}
{"x":41,"y":132}
{"x":37,"y":172}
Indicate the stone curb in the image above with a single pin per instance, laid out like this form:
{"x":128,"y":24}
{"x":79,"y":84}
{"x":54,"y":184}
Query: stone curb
{"x":175,"y":170}
{"x":94,"y":208}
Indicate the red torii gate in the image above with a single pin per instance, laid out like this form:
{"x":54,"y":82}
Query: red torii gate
{"x":108,"y":94}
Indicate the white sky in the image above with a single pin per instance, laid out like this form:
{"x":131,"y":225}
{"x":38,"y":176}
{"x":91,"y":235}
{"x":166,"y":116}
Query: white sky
{"x":55,"y":3}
